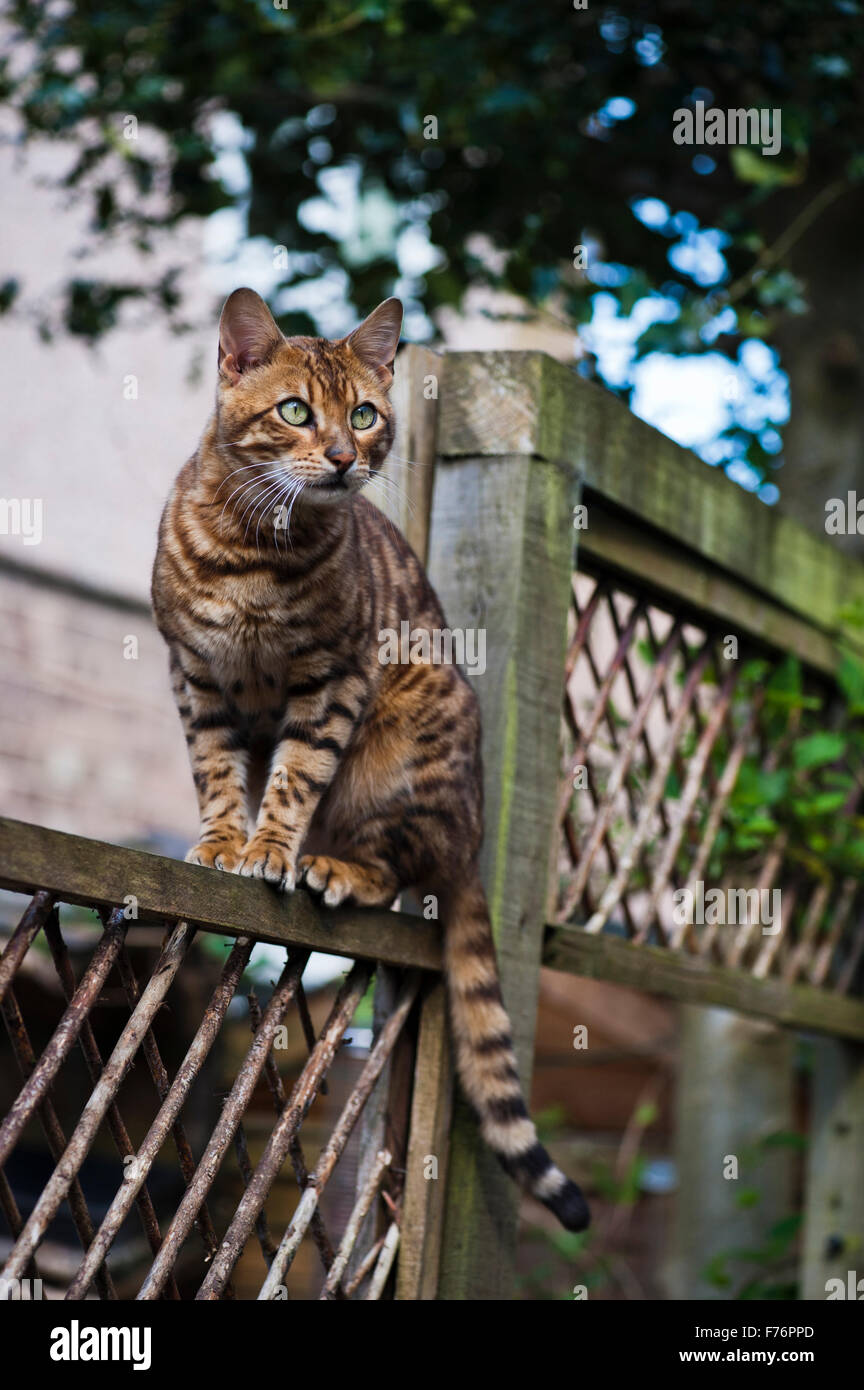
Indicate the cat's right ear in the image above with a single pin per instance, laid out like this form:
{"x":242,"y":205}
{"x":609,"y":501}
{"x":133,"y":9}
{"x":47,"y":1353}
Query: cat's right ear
{"x":248,"y":334}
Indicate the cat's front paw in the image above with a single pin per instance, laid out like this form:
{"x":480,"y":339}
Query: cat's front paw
{"x":262,"y":858}
{"x":216,"y":854}
{"x":336,"y":881}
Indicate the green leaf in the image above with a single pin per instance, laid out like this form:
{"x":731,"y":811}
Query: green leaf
{"x":750,"y":166}
{"x":748,"y":1197}
{"x":785,"y":1231}
{"x":646,"y":1114}
{"x":826,"y":802}
{"x":850,"y":678}
{"x":785,"y":1139}
{"x":760,"y":825}
{"x":773,"y":786}
{"x":818,"y":749}
{"x":716,"y":1273}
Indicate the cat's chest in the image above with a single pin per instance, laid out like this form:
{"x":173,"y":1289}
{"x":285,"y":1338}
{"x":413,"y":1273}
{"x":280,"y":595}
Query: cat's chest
{"x":256,"y":630}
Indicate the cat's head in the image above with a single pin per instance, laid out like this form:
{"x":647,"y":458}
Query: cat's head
{"x":308,"y":419}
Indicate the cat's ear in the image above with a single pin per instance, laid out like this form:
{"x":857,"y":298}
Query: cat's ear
{"x":377,"y":338}
{"x":247,"y":334}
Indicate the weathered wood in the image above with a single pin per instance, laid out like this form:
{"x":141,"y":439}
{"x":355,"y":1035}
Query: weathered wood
{"x":833,"y":1243}
{"x":376,"y":1120}
{"x":406,"y":498}
{"x":505,"y":403}
{"x":692,"y":979}
{"x":656,"y":565}
{"x":409,"y":473}
{"x":501,"y":558}
{"x":75,"y":870}
{"x":429,"y":1138}
{"x":735,"y":1088}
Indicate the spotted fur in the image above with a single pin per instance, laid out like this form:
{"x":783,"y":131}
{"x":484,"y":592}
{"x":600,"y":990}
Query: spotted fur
{"x":313,"y":761}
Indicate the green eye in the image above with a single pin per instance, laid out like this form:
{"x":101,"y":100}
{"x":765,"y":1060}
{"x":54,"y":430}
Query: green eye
{"x":363,"y":416}
{"x":296,"y":412}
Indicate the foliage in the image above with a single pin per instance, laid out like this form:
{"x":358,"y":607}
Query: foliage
{"x":553,"y":123}
{"x":768,"y":1270}
{"x":810,"y":786}
{"x":566,"y":1260}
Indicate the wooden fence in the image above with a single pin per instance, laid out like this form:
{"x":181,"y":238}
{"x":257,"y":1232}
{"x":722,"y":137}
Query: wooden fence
{"x":608,"y":569}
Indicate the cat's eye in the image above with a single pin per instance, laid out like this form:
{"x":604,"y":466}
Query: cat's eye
{"x":362,"y":416}
{"x":294,"y":411}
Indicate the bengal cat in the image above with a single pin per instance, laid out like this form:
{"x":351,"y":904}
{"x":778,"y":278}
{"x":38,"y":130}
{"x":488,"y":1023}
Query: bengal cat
{"x":360,"y":778}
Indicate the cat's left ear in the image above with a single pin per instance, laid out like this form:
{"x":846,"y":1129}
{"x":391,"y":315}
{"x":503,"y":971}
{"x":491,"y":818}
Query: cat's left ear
{"x":248,"y":334}
{"x":377,"y":338}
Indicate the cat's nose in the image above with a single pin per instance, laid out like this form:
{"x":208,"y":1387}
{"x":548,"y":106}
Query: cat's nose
{"x":342,"y":455}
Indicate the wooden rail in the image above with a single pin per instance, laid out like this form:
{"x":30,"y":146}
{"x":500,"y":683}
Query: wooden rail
{"x":694,"y":980}
{"x":500,"y":404}
{"x":75,"y":870}
{"x":88,"y":872}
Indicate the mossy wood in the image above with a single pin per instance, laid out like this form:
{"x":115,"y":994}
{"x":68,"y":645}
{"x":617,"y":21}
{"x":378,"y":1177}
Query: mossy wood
{"x":426,"y":1165}
{"x":501,"y":555}
{"x":407,"y":500}
{"x":693,"y":980}
{"x":503,"y":403}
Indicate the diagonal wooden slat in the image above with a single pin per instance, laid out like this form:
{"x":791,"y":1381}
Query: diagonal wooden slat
{"x":612,"y":895}
{"x":617,"y":778}
{"x":689,"y":793}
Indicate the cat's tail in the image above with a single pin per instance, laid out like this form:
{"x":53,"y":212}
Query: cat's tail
{"x":485,"y":1060}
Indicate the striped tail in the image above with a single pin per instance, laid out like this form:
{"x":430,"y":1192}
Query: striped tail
{"x":485,"y":1059}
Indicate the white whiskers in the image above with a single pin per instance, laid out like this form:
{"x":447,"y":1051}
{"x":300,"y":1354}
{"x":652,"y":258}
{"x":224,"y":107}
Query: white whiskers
{"x":392,"y":491}
{"x":246,"y":488}
{"x":251,"y":509}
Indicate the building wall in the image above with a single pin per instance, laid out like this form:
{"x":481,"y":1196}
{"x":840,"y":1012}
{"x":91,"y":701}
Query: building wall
{"x":89,"y":738}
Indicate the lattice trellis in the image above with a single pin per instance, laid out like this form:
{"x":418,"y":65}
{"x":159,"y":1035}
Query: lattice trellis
{"x":656,"y":727}
{"x":358,"y":1266}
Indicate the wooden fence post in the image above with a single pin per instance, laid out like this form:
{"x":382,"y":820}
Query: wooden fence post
{"x":501,"y":554}
{"x":407,"y":501}
{"x":833,"y":1242}
{"x":428,"y":1140}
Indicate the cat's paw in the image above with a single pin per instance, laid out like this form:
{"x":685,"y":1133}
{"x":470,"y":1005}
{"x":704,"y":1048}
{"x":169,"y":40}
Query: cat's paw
{"x":264,"y":859}
{"x":335,"y":880}
{"x":216,"y":854}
